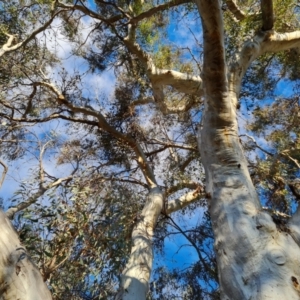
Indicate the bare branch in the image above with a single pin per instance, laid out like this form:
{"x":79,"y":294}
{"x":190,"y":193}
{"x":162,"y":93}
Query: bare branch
{"x":276,"y":213}
{"x":267,"y":14}
{"x":7,"y":45}
{"x":127,"y":180}
{"x":53,"y":267}
{"x":275,"y":42}
{"x":182,"y":82}
{"x":190,"y":240}
{"x":159,"y":100}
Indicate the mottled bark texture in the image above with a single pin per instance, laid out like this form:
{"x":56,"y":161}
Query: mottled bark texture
{"x":20,"y":279}
{"x":255,"y":260}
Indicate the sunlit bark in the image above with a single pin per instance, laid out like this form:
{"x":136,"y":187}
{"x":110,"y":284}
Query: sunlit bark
{"x":19,"y":277}
{"x":255,"y":260}
{"x":136,"y":275}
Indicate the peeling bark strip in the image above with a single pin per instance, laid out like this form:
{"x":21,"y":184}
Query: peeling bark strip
{"x":19,"y":277}
{"x":255,"y":260}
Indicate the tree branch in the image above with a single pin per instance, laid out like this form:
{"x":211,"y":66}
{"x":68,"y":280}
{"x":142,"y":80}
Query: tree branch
{"x":42,"y":189}
{"x":51,"y":117}
{"x":267,"y":14}
{"x":173,"y":145}
{"x":183,"y":185}
{"x":295,"y":161}
{"x":132,"y":181}
{"x":185,"y":200}
{"x":189,"y":239}
{"x":256,"y":145}
{"x":235,"y":10}
{"x":29,"y":104}
{"x":159,"y":100}
{"x":6,"y":48}
{"x":294,"y":190}
{"x":90,"y":13}
{"x":149,"y":13}
{"x":186,"y":162}
{"x":142,"y":101}
{"x":263,"y":42}
{"x":102,"y":123}
{"x":3,"y":173}
{"x":183,"y":83}
{"x":42,"y":175}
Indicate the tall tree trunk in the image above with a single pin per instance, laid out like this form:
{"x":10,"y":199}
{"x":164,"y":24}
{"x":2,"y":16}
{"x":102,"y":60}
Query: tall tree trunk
{"x":20,"y":279}
{"x":255,"y":260}
{"x":136,"y":276}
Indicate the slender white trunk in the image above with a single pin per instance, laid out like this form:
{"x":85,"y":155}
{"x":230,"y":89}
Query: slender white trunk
{"x":20,"y":279}
{"x":255,"y":259}
{"x":136,"y":276}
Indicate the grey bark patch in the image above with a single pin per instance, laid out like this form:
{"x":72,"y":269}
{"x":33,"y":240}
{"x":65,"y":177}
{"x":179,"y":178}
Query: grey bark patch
{"x":277,"y":256}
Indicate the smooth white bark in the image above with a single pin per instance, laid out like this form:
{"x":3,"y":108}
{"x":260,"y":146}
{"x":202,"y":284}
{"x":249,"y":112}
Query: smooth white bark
{"x":184,"y":200}
{"x":136,"y":275}
{"x":19,"y":277}
{"x":263,"y":42}
{"x":255,"y":260}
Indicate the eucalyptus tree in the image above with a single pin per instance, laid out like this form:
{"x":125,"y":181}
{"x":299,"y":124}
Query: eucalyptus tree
{"x":166,"y":100}
{"x":32,"y":76}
